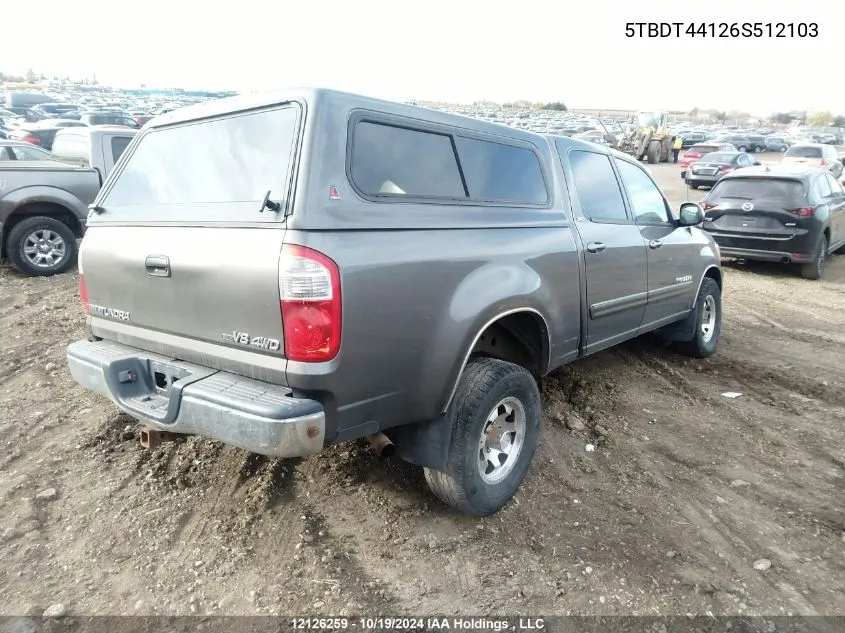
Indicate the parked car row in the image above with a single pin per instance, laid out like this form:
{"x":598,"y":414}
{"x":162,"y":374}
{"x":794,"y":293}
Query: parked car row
{"x":45,"y":195}
{"x":778,"y":214}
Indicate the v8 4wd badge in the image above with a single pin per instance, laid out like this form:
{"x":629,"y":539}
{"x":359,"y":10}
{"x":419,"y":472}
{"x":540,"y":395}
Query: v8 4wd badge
{"x":244,"y":338}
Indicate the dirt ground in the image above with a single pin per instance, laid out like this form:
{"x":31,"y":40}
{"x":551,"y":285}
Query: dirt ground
{"x":686,"y":490}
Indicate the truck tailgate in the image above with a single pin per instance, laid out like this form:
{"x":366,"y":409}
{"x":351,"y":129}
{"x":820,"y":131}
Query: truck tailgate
{"x":202,"y":294}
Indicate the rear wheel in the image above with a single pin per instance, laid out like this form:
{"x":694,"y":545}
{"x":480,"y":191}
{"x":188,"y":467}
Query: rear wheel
{"x":41,"y":246}
{"x":741,"y":148}
{"x":815,"y":268}
{"x":708,"y":321}
{"x":495,"y":418}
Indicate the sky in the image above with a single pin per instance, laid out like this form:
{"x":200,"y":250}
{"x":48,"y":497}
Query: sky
{"x":451,"y":50}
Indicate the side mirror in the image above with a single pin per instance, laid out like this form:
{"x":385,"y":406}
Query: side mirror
{"x":691,"y":214}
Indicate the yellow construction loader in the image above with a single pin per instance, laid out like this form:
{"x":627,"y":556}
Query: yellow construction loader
{"x":650,"y":138}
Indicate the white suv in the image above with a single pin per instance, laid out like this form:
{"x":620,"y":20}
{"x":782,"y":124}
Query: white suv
{"x":812,"y":155}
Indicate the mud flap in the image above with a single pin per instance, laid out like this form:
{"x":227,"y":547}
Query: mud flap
{"x":679,"y":331}
{"x":424,"y":444}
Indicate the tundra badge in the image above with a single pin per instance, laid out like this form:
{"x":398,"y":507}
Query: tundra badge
{"x":110,"y":313}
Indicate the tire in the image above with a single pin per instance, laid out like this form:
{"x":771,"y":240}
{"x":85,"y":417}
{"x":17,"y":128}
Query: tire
{"x":707,"y":329}
{"x":35,"y":233}
{"x":653,"y":153}
{"x":741,"y":148}
{"x":488,"y":386}
{"x":815,"y":269}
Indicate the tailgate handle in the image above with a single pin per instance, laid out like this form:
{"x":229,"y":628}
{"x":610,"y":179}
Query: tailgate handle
{"x":157,"y":265}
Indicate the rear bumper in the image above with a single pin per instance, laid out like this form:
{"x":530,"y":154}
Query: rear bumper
{"x":795,"y":249}
{"x":702,"y":180}
{"x":184,"y":398}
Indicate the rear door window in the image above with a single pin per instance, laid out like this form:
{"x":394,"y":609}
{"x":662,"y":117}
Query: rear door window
{"x":835,"y":187}
{"x":499,"y":172}
{"x":597,"y":187}
{"x":388,"y":160}
{"x":227,"y":165}
{"x":820,"y":190}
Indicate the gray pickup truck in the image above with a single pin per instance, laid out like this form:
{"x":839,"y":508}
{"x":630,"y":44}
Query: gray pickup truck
{"x":290,"y":271}
{"x":44,"y":204}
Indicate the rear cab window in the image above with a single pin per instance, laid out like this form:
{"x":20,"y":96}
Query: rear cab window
{"x":389,"y":160}
{"x":209,"y":170}
{"x":118,"y":146}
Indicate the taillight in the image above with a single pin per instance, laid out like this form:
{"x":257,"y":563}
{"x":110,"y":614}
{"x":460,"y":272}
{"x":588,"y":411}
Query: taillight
{"x":309,"y":288}
{"x":725,"y":170}
{"x":706,"y":206}
{"x":31,"y":139}
{"x":83,"y":292}
{"x":823,"y":163}
{"x":803,"y":212}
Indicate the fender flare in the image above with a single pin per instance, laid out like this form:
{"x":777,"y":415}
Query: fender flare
{"x":35,"y":194}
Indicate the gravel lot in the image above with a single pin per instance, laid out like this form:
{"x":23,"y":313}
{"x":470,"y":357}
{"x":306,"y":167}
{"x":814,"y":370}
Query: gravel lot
{"x":692,"y":502}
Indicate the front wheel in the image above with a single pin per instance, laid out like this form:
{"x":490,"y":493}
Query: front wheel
{"x":741,"y":148}
{"x":708,"y":321}
{"x":653,"y":152}
{"x":495,"y":418}
{"x":41,"y":246}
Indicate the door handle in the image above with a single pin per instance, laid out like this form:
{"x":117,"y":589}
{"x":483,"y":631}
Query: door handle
{"x":595,"y":247}
{"x":655,"y":244}
{"x":157,"y":266}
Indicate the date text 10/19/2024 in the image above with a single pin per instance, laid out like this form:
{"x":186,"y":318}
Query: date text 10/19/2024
{"x":752,"y":30}
{"x":454,"y":623}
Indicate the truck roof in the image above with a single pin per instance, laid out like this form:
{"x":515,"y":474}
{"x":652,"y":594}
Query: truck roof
{"x":97,"y":130}
{"x":337,"y":99}
{"x":36,"y":164}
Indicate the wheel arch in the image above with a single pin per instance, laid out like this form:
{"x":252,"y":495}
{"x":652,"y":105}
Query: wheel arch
{"x":38,"y":208}
{"x":428,"y":443}
{"x":536,"y":342}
